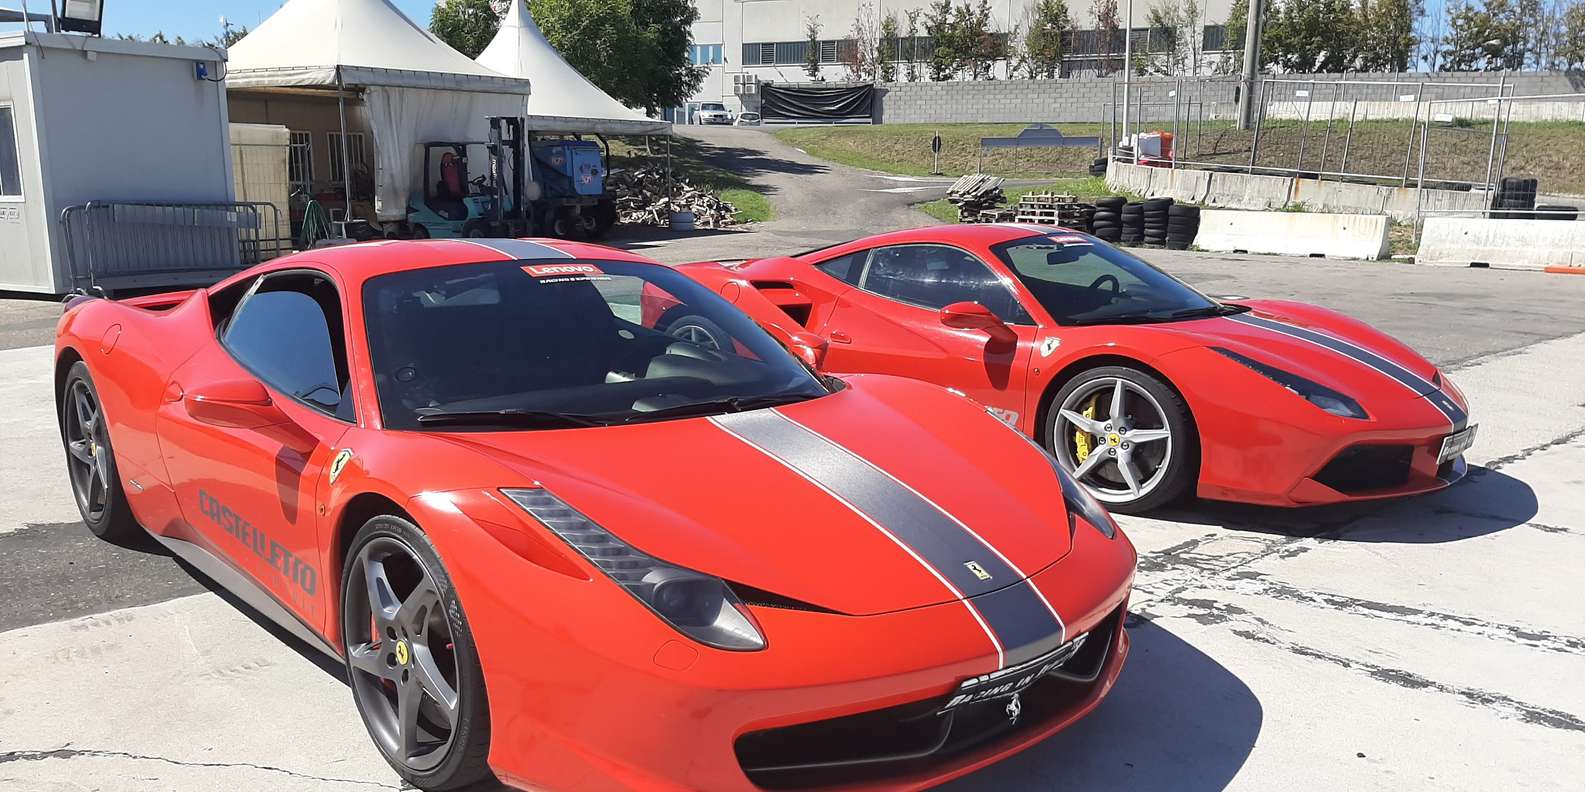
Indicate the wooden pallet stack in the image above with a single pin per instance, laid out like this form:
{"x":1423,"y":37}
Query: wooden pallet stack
{"x":1053,"y":209}
{"x":974,"y":195}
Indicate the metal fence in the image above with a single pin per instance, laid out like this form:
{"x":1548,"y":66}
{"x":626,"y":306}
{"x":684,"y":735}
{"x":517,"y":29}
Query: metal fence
{"x":1356,"y":130}
{"x":134,"y":245}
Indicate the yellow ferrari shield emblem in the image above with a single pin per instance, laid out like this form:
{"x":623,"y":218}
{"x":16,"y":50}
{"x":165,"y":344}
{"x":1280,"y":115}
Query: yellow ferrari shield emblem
{"x":402,"y":655}
{"x":339,"y":463}
{"x":979,"y":571}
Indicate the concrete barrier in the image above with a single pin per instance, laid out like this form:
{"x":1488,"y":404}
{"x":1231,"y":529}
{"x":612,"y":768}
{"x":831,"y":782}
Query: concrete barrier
{"x":1295,"y":233}
{"x":1504,"y":244}
{"x":1233,"y":190}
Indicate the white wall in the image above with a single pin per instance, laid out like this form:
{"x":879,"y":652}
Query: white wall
{"x":733,"y":22}
{"x":24,"y":240}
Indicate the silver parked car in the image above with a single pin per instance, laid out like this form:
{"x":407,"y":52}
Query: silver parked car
{"x":713,"y":113}
{"x":747,"y":118}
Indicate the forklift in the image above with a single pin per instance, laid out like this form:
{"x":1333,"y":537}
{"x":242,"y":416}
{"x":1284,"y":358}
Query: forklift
{"x":558,"y":191}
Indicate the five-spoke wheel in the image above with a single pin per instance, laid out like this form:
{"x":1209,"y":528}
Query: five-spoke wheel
{"x":1124,"y":435}
{"x":410,"y":658}
{"x":89,"y":461}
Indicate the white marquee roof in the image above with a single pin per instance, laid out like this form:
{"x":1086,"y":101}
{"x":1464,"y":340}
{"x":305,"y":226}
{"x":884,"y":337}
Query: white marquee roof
{"x":563,"y":100}
{"x":370,"y":41}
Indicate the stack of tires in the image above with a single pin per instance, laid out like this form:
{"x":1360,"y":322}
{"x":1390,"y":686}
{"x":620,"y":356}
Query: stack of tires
{"x":1156,"y":212}
{"x":1098,"y":167}
{"x":1183,"y":224}
{"x":1107,"y":222}
{"x":1085,"y":219}
{"x":1133,"y":215}
{"x":1515,"y":199}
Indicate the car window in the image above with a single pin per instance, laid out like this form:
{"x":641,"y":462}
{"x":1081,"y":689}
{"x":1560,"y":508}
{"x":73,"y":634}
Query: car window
{"x":845,"y":268}
{"x":569,"y":342}
{"x":1081,"y":280}
{"x":288,"y":333}
{"x":934,"y":276}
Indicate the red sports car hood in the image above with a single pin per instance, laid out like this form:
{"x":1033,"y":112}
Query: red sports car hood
{"x":846,"y":502}
{"x":1320,"y":345}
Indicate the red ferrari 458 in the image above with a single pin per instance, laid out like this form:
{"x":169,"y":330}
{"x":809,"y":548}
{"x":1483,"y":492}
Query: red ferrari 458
{"x":1142,"y":387}
{"x":556,"y":544}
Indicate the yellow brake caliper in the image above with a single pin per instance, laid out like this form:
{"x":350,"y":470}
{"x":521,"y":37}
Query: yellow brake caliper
{"x":1081,"y":439}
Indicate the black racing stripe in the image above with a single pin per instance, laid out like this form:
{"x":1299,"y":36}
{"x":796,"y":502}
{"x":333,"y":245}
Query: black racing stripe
{"x":519,"y":249}
{"x":1022,"y":622}
{"x":1020,"y":618}
{"x":1438,"y":399}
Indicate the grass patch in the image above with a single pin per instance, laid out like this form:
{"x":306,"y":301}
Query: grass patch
{"x":905,"y":149}
{"x":1400,"y":239}
{"x":1085,"y":188}
{"x":689,"y":161}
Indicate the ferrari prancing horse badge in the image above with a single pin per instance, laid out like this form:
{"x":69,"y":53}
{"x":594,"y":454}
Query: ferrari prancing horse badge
{"x":339,"y":463}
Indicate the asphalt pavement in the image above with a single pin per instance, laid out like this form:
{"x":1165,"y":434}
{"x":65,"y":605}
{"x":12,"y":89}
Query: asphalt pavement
{"x":1433,"y":643}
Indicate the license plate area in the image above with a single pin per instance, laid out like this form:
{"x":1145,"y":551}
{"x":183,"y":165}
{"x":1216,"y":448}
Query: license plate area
{"x":1456,"y":443}
{"x":1011,"y":681}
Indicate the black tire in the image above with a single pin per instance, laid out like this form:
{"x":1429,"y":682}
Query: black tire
{"x":701,"y":332}
{"x":465,"y":751}
{"x":605,"y":217}
{"x":420,"y":232}
{"x":1556,"y":212}
{"x":91,"y":460}
{"x":1181,"y":461}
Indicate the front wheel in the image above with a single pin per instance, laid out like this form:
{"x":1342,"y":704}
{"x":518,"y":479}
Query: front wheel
{"x":1125,"y":435}
{"x":411,"y":659}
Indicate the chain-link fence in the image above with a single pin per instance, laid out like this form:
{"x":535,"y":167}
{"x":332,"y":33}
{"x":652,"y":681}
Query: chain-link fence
{"x":1352,"y":130}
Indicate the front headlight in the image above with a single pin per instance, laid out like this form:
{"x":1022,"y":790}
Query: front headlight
{"x":1079,"y":501}
{"x":700,"y":606}
{"x":1312,"y":392}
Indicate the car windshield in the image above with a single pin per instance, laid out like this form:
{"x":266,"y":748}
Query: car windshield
{"x":1080,"y":280}
{"x":708,"y":106}
{"x":540,"y":345}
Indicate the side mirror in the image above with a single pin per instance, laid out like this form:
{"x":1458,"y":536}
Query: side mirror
{"x":973,"y":316}
{"x":806,"y":346}
{"x":235,"y":404}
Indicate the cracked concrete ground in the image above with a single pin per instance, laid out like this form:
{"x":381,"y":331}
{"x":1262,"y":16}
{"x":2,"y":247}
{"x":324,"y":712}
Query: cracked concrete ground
{"x":1433,"y":643}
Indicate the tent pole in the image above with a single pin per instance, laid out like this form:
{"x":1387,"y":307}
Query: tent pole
{"x":669,"y":207}
{"x":346,"y":164}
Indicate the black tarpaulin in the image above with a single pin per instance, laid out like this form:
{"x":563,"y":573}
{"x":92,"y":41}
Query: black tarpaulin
{"x":817,"y":103}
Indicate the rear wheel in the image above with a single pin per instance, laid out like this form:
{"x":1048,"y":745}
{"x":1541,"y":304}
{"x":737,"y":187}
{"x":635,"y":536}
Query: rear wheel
{"x":411,"y":659}
{"x":1125,"y":436}
{"x":700,"y":332}
{"x":90,"y":462}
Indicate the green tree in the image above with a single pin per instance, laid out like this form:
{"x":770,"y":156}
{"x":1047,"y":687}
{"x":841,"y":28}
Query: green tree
{"x":979,"y":47}
{"x":939,"y":28}
{"x":1046,"y":27}
{"x":911,"y":48}
{"x":812,"y":47}
{"x":1387,"y":34}
{"x":467,"y":25}
{"x":860,"y":51}
{"x":666,"y":77}
{"x":1571,"y":49}
{"x":1104,"y":15}
{"x":1165,"y":21}
{"x":886,"y":48}
{"x":1306,"y":36}
{"x":1489,"y":37}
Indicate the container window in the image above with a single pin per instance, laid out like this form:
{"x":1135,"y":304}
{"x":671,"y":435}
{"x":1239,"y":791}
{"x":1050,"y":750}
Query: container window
{"x":10,"y":170}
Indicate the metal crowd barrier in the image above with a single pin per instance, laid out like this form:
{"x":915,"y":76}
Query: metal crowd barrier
{"x":114,"y":245}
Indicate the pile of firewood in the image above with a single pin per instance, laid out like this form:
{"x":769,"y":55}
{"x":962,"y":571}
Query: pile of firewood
{"x":974,"y":194}
{"x":641,"y":199}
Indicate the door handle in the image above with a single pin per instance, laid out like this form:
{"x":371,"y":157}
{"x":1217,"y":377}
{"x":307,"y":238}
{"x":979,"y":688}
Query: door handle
{"x":839,"y":337}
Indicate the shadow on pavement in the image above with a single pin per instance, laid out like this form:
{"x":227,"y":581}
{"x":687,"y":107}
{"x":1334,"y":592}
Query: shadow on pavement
{"x":1176,"y":719}
{"x":1485,"y":502}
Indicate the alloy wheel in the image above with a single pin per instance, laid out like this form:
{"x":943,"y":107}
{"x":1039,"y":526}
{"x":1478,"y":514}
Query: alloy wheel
{"x":88,"y":452}
{"x":401,"y":654}
{"x":1113,"y":436}
{"x":696,"y":335}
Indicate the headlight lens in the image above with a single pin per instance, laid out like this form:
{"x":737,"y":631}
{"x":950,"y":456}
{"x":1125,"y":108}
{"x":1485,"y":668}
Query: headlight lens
{"x":1312,"y":392}
{"x":698,"y":605}
{"x":1079,"y":501}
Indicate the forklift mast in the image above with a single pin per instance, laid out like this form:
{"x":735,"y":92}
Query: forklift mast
{"x":508,"y":165}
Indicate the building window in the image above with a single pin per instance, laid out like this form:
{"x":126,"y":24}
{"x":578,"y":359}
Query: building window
{"x":759,"y":54}
{"x":300,"y":161}
{"x":1215,"y":38}
{"x":10,"y":163}
{"x":828,"y":51}
{"x":354,"y":151}
{"x":790,"y":53}
{"x":705,"y":54}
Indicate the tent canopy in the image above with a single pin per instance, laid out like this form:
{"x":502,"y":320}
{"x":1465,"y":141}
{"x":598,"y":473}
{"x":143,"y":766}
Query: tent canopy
{"x":416,"y":89}
{"x":563,"y":100}
{"x":371,"y":43}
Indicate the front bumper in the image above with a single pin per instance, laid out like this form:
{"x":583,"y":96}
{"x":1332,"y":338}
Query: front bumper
{"x":596,"y":693}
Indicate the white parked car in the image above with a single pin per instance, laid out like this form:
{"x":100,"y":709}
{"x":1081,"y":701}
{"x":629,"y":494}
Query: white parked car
{"x":713,"y":113}
{"x":747,"y":118}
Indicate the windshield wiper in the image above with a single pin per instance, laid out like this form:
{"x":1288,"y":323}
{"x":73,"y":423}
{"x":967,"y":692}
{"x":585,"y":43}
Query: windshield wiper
{"x":1219,"y":309}
{"x":718,"y":406}
{"x":1155,"y":318}
{"x":509,"y":417}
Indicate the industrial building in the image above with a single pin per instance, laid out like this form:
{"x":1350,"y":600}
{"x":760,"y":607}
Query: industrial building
{"x":747,"y":42}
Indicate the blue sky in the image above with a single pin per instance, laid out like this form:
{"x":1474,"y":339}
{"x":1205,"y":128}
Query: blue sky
{"x":198,"y":19}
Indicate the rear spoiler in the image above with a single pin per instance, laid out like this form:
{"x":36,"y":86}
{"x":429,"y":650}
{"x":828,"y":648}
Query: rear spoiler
{"x":148,"y":302}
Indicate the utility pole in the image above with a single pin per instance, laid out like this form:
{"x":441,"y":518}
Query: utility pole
{"x":1246,"y":96}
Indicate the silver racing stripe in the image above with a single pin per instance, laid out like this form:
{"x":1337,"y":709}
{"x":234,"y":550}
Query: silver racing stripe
{"x":1455,"y":415}
{"x":519,"y":249}
{"x":1015,"y":615}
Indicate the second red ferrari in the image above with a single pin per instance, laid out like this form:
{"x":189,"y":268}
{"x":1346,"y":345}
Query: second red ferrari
{"x":1140,"y":385}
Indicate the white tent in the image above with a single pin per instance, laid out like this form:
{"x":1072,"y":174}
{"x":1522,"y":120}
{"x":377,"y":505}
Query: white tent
{"x":415,"y":87}
{"x":563,"y":100}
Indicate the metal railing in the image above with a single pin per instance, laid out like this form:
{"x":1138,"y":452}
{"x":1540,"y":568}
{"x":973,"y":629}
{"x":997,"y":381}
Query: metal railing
{"x":113,"y":245}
